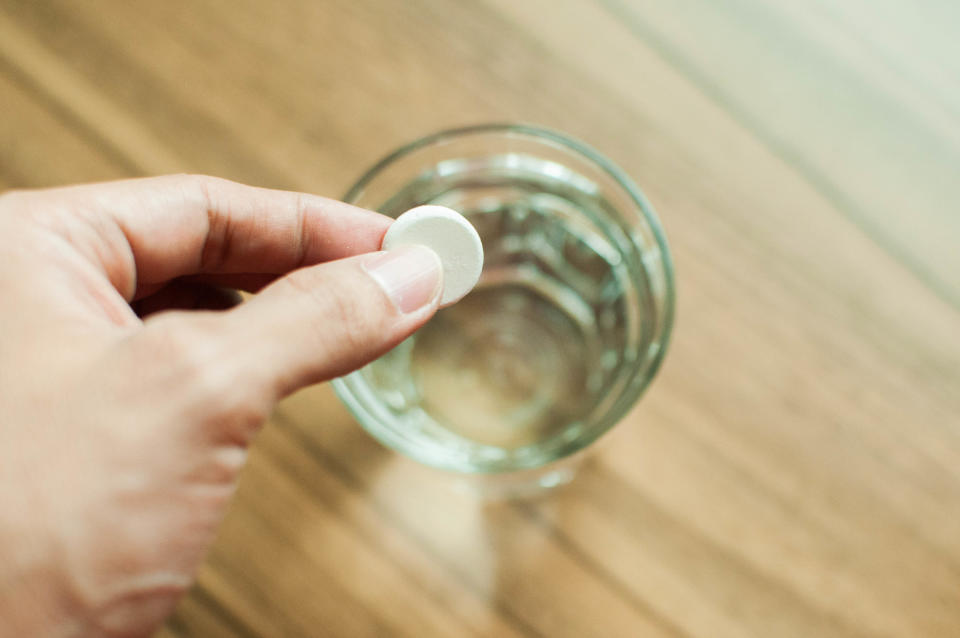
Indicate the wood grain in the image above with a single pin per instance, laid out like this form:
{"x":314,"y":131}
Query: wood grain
{"x":794,"y":471}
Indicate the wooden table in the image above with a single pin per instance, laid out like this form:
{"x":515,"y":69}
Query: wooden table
{"x":795,"y":469}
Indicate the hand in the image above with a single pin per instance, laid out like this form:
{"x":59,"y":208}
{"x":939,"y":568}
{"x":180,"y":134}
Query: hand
{"x":123,"y":428}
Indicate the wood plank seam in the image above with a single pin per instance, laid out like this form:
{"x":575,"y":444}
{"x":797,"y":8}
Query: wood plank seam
{"x":644,"y":607}
{"x":778,"y":147}
{"x":125,"y":139}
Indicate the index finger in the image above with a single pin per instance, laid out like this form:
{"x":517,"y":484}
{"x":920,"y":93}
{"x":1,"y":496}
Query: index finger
{"x":190,"y":224}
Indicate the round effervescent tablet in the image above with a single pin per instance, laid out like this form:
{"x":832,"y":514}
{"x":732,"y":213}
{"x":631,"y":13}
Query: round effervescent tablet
{"x":451,"y":236}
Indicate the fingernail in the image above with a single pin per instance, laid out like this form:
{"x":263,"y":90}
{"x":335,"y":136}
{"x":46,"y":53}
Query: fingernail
{"x":410,"y":275}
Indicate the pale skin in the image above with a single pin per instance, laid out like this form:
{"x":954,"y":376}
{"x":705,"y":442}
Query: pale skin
{"x":131,"y":384}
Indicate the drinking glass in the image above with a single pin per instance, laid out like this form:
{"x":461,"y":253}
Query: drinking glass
{"x":566,"y":328}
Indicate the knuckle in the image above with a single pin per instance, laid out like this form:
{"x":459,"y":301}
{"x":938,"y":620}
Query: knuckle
{"x":138,"y":610}
{"x":116,"y":586}
{"x":200,"y":189}
{"x":207,"y":188}
{"x":301,"y":233}
{"x":238,"y":416}
{"x":221,"y":466}
{"x":216,"y":244}
{"x":203,"y":183}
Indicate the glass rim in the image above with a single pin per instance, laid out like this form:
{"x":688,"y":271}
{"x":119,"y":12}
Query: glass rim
{"x":641,"y":203}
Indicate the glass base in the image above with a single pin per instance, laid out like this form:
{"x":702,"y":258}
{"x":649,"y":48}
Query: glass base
{"x":520,"y":485}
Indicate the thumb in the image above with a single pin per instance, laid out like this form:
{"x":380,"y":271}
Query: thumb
{"x":324,"y":321}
